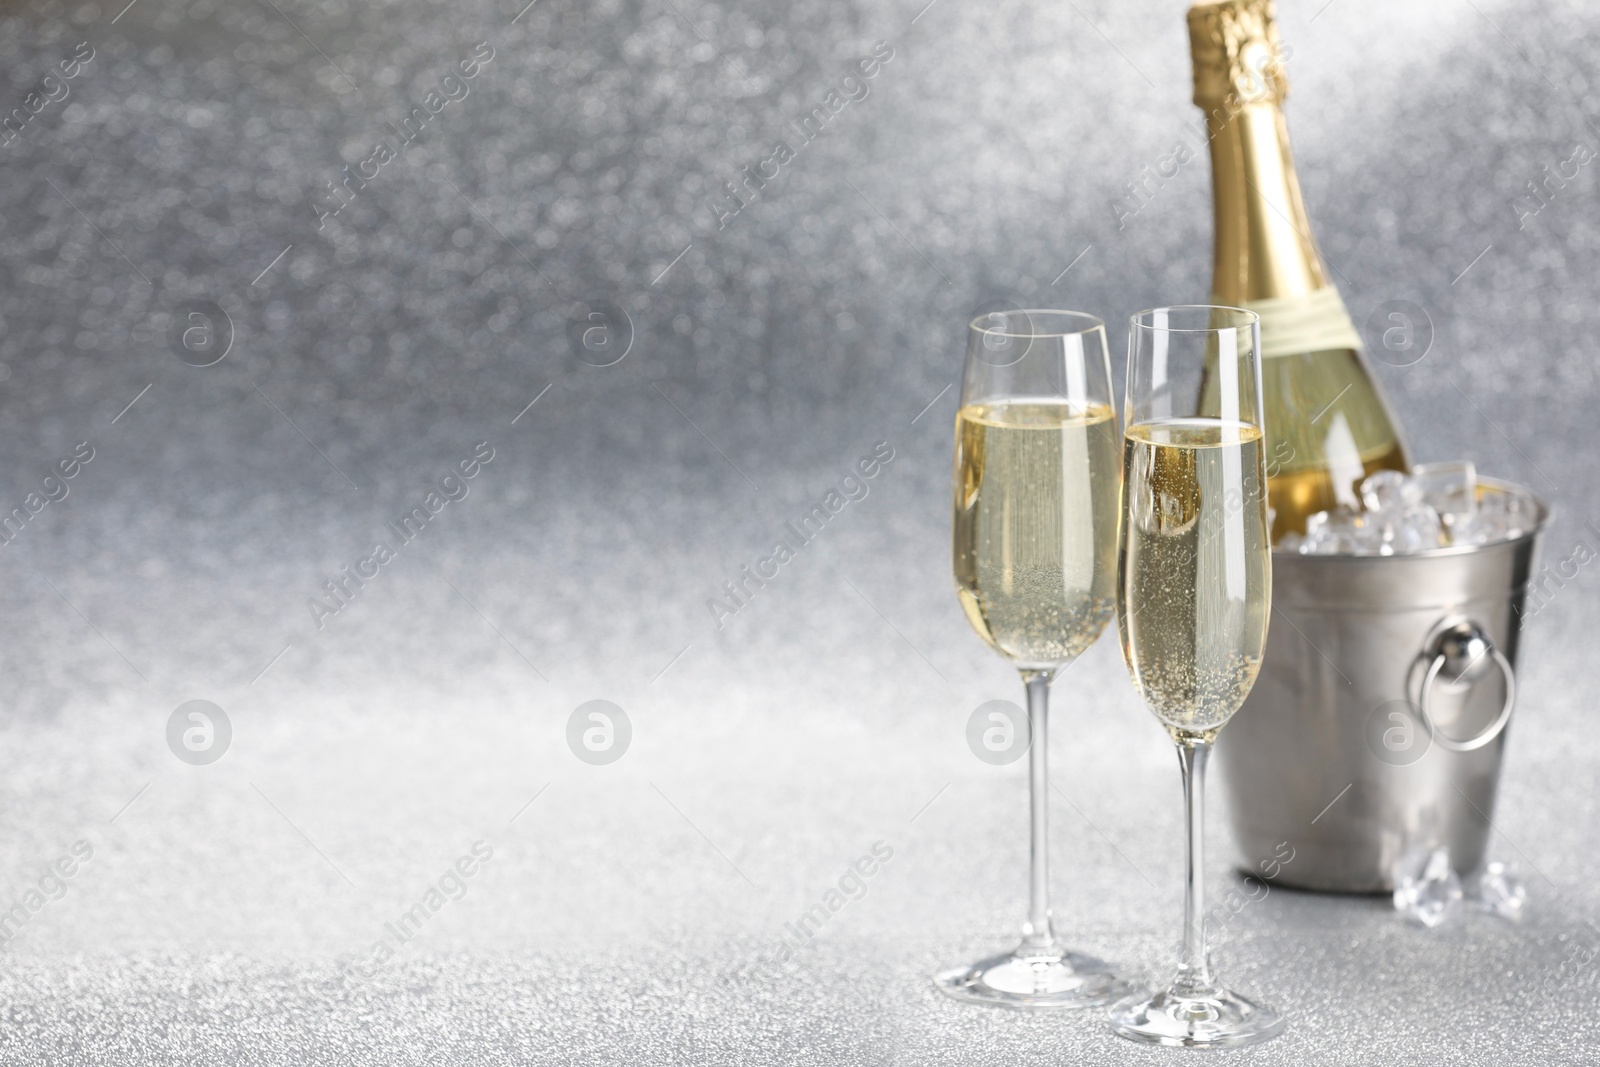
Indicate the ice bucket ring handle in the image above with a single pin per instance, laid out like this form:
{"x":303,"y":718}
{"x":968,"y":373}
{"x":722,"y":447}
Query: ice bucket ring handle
{"x":1460,"y":653}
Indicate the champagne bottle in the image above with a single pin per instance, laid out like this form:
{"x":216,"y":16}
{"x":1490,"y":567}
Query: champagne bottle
{"x":1327,"y":424}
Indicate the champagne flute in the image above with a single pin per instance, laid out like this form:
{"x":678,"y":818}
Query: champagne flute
{"x":1194,"y":590}
{"x":1035,"y":560}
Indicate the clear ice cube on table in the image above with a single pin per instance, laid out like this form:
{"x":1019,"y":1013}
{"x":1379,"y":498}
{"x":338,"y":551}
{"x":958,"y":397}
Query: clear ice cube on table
{"x":1290,"y":542}
{"x":1498,"y":890}
{"x":1427,"y":890}
{"x":1448,"y":488}
{"x":1385,"y":490}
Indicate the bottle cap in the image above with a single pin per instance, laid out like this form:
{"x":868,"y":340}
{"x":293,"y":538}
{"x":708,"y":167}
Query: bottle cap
{"x":1238,"y":58}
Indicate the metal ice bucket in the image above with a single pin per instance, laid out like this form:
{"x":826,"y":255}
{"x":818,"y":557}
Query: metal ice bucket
{"x":1380,"y":715}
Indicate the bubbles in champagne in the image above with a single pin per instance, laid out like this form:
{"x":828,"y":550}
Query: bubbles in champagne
{"x":1194,"y":582}
{"x":1036,"y":526}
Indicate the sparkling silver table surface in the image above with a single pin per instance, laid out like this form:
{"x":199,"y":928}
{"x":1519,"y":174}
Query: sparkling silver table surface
{"x":631,"y":912}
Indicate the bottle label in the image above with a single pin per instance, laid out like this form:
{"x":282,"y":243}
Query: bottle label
{"x":1295,"y":325}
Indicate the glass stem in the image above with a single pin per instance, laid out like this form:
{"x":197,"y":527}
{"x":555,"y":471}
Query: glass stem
{"x":1194,"y":972}
{"x":1038,"y":936}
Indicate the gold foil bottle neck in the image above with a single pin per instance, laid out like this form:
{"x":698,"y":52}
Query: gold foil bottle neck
{"x":1238,"y":58}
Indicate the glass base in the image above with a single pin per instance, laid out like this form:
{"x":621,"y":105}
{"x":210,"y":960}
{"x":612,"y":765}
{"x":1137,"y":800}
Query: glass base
{"x":1029,"y":978}
{"x":1217,"y":1019}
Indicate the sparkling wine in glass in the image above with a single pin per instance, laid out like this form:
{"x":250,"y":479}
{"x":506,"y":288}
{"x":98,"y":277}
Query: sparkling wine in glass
{"x":1035,"y":546}
{"x":1194,"y":590}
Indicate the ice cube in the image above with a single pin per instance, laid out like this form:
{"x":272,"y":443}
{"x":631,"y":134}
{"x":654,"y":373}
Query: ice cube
{"x":1507,"y":513}
{"x":1467,"y":529}
{"x":1449,"y":488}
{"x":1413,"y":529}
{"x":1333,"y":533}
{"x":1290,"y":542}
{"x":1368,"y":539}
{"x":1498,"y":890}
{"x":1389,"y":489}
{"x":1427,"y":890}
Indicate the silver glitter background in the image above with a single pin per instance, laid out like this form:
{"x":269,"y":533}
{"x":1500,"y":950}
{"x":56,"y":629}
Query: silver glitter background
{"x":229,"y":910}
